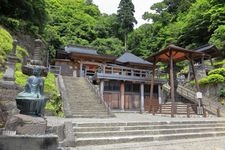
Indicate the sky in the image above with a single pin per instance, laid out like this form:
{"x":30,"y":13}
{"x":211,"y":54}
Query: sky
{"x":141,"y":6}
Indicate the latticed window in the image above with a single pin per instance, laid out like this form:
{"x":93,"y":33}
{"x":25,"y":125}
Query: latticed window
{"x":112,"y":86}
{"x":132,"y":87}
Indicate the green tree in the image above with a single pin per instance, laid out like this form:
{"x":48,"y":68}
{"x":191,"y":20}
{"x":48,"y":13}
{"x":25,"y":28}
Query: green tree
{"x":125,"y":14}
{"x":32,"y":12}
{"x":71,"y":22}
{"x":111,"y":46}
{"x":218,"y":38}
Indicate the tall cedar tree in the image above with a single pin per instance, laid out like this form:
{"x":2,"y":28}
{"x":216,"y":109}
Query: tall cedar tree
{"x":125,"y":15}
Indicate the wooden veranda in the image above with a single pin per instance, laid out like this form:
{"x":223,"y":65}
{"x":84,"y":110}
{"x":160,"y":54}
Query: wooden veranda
{"x":170,"y":55}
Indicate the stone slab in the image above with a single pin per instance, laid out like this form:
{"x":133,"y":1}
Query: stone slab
{"x":24,"y":124}
{"x":27,"y":142}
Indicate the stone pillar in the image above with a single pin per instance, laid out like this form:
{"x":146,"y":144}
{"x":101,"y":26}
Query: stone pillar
{"x":37,"y":53}
{"x":11,"y":61}
{"x":122,"y":92}
{"x":81,"y":73}
{"x":159,"y":94}
{"x":142,"y":98}
{"x":101,"y":88}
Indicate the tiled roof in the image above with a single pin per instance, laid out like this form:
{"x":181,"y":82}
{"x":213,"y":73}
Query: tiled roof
{"x":131,"y":58}
{"x":204,"y":48}
{"x":79,"y":49}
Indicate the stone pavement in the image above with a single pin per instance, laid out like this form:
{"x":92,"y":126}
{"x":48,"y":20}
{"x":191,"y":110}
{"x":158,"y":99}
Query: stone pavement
{"x":130,"y":117}
{"x":189,"y":144}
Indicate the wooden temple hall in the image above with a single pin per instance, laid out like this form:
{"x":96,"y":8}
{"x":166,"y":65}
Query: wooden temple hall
{"x":126,"y":82}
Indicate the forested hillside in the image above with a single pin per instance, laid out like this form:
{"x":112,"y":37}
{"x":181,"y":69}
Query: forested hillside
{"x":185,"y":23}
{"x":189,"y":24}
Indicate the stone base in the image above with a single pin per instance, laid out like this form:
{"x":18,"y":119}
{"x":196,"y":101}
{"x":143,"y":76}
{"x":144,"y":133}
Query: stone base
{"x":24,"y":124}
{"x":7,"y":102}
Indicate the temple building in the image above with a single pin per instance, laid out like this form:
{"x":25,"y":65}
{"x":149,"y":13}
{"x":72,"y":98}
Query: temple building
{"x":124,"y":82}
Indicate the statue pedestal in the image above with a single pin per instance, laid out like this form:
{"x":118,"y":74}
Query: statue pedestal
{"x":24,"y":124}
{"x":31,"y":106}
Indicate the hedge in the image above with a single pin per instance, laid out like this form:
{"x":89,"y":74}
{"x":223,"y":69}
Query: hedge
{"x":220,"y":71}
{"x":212,"y":79}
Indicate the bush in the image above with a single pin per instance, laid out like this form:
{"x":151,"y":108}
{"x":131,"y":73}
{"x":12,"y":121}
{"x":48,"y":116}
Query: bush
{"x":215,"y":79}
{"x":54,"y":104}
{"x":220,"y":71}
{"x":219,"y":64}
{"x":203,"y":81}
{"x":1,"y":75}
{"x":212,"y":79}
{"x":222,"y":92}
{"x":11,"y":23}
{"x":5,"y":44}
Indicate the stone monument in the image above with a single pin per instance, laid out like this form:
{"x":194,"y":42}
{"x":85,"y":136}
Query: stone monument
{"x":8,"y":87}
{"x":32,"y":100}
{"x":35,"y":61}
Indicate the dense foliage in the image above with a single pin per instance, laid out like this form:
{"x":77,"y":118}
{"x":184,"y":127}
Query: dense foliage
{"x":6,"y":46}
{"x":185,"y":23}
{"x":28,"y":15}
{"x":80,"y":22}
{"x":222,"y":92}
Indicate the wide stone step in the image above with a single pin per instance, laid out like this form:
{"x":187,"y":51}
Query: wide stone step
{"x":107,"y":124}
{"x":90,"y":116}
{"x":143,"y":127}
{"x":146,"y":132}
{"x":143,"y":138}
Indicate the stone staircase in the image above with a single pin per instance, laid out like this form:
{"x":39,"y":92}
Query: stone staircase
{"x":209,"y":104}
{"x":81,"y":100}
{"x":89,"y":134}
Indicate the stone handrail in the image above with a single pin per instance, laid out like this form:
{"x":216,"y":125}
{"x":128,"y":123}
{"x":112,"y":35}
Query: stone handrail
{"x":210,"y":105}
{"x":101,"y":99}
{"x":63,"y":92}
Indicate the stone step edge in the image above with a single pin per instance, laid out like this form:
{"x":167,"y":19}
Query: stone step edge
{"x":136,"y":128}
{"x":108,"y":125}
{"x":147,"y":144}
{"x":160,"y":137}
{"x":130,"y":131}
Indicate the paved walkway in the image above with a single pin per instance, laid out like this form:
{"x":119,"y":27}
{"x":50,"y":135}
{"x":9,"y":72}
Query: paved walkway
{"x":190,"y":144}
{"x":130,"y":117}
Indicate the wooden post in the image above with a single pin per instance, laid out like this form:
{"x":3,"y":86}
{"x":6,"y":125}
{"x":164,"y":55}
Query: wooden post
{"x":211,"y":61}
{"x":159,"y":94}
{"x":101,"y":89}
{"x":194,"y":74}
{"x":104,"y":69}
{"x":142,"y":99}
{"x":122,"y":92}
{"x":81,"y":65}
{"x":172,"y":92}
{"x":152,"y":85}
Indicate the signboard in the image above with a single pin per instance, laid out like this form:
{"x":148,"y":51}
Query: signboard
{"x":199,"y":95}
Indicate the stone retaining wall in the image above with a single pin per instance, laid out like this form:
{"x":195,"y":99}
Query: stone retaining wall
{"x":20,"y":142}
